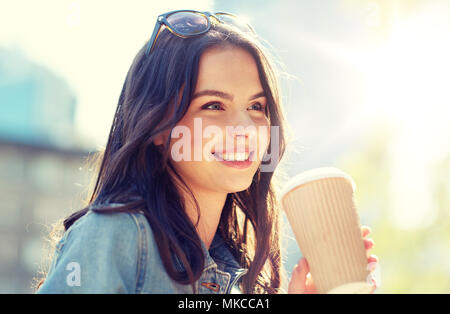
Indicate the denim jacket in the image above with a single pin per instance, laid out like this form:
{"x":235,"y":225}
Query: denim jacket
{"x":117,"y":253}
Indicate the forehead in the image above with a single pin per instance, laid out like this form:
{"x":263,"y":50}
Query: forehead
{"x":229,"y":69}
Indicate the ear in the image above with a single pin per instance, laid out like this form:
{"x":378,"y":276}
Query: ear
{"x":159,"y":140}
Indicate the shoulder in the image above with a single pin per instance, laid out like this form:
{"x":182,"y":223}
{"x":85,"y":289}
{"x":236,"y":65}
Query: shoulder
{"x":120,"y":223}
{"x":121,"y":232}
{"x":109,"y":250}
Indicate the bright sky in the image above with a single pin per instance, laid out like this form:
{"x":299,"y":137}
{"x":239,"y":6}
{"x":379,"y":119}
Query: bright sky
{"x":407,"y":78}
{"x":92,"y":44}
{"x":89,"y":43}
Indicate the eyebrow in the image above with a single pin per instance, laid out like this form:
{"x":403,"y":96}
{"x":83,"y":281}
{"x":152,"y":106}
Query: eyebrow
{"x":224,"y":95}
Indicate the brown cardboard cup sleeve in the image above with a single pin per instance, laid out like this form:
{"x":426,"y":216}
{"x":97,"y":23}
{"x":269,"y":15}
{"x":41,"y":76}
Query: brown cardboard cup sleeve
{"x":320,"y":207}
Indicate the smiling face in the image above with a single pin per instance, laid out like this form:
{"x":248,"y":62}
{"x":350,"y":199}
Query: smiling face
{"x":226,"y":116}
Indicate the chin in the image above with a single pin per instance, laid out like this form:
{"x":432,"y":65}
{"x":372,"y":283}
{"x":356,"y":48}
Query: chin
{"x":240,"y":187}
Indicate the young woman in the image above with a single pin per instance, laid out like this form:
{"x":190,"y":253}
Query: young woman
{"x":182,"y":202}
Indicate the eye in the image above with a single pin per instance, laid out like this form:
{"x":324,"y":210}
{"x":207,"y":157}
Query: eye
{"x":258,"y":106}
{"x":213,"y":105}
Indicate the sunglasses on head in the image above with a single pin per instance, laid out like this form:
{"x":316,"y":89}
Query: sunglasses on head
{"x":188,"y":23}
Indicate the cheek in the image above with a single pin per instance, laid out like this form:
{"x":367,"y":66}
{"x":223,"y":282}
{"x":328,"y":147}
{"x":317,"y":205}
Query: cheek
{"x":264,"y":141}
{"x":263,"y":138}
{"x":181,"y":142}
{"x":188,"y":142}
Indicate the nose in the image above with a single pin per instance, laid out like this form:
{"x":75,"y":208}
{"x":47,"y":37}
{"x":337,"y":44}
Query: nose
{"x":240,"y":131}
{"x":243,"y":130}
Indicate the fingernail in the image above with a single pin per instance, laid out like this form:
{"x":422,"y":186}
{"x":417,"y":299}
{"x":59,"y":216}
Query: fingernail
{"x":368,"y":243}
{"x":367,"y":230}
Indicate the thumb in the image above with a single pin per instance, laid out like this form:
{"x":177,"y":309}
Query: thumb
{"x":297,"y":283}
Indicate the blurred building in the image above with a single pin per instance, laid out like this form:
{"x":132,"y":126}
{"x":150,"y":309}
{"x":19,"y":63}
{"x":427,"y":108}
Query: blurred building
{"x":41,"y":177}
{"x":38,"y":186}
{"x":36,"y":106}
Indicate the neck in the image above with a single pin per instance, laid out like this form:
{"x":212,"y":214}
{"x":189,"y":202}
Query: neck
{"x":210,"y":204}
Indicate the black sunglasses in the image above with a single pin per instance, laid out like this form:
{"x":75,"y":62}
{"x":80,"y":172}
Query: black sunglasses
{"x":188,"y":23}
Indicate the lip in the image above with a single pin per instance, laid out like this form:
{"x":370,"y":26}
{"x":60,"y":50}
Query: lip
{"x":237,"y":164}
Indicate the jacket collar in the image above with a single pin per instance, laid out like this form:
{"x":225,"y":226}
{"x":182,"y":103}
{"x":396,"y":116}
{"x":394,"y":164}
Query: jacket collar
{"x":218,"y":253}
{"x":221,"y":253}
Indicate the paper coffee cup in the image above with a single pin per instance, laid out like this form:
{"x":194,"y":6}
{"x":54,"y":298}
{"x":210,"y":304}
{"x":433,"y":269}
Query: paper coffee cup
{"x":320,"y":207}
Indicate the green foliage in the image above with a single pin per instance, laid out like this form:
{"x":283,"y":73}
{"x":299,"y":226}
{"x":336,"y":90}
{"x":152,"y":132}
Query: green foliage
{"x":412,"y":260}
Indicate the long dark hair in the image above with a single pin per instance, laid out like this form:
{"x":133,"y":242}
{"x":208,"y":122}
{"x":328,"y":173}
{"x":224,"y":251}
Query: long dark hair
{"x":133,"y":171}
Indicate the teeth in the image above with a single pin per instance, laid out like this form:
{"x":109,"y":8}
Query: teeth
{"x":233,"y":157}
{"x":240,"y":156}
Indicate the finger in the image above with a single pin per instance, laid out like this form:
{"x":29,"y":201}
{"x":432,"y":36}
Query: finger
{"x":298,"y":279}
{"x":305,"y":265}
{"x":368,"y":243}
{"x":310,"y":286}
{"x":374,"y":287}
{"x":365,"y":231}
{"x":372,"y":266}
